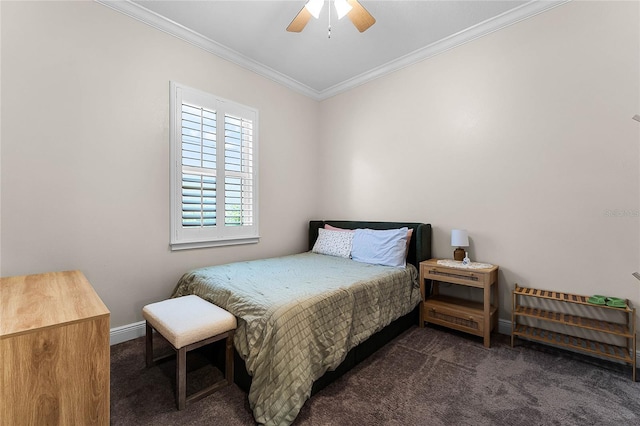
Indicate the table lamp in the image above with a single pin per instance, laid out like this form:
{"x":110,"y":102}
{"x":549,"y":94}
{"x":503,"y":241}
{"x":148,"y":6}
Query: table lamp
{"x":459,"y":238}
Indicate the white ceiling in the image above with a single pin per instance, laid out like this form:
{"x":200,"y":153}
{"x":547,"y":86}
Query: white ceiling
{"x":252,"y":34}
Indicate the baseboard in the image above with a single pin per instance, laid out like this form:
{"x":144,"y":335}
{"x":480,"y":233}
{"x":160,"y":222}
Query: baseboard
{"x":127,"y":332}
{"x":504,"y":327}
{"x":137,"y":329}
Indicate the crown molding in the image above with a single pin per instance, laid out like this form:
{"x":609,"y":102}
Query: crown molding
{"x":489,"y":26}
{"x":527,"y":10}
{"x":175,"y":29}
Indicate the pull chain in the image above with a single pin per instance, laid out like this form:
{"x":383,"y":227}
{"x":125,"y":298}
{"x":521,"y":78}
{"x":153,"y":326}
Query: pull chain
{"x":329,"y":9}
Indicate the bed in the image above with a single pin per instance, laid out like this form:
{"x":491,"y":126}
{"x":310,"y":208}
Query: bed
{"x":305,"y":319}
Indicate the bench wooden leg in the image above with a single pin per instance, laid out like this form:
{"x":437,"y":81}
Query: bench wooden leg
{"x":181,"y":378}
{"x":149,"y":346}
{"x":181,"y":366}
{"x":229,"y":360}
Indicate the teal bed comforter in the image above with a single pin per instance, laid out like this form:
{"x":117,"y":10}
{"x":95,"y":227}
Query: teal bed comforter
{"x":298,"y":316}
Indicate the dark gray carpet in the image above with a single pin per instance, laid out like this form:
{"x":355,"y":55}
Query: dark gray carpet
{"x":427,"y":376}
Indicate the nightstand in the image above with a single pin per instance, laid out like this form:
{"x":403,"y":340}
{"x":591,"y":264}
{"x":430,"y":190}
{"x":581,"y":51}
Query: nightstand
{"x":478,"y":318}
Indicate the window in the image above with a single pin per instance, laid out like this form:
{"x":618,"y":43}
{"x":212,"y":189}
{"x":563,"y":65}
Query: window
{"x":213,"y":170}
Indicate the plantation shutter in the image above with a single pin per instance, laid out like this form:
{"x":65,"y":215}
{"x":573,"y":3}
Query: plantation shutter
{"x":214,"y":174}
{"x":238,"y":166}
{"x":198,"y":166}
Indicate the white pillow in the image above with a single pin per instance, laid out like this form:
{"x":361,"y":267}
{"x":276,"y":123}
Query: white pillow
{"x":380,"y":247}
{"x":333,"y":243}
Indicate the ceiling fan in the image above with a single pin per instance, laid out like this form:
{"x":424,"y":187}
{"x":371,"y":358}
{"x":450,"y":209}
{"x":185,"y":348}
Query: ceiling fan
{"x":352,"y":8}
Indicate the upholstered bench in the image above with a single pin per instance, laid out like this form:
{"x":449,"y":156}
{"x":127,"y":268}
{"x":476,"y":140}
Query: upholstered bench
{"x":189,"y":323}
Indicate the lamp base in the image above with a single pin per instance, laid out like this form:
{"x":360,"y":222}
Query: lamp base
{"x":458,"y":254}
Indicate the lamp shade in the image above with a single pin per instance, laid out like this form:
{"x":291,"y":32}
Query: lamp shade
{"x":459,"y":238}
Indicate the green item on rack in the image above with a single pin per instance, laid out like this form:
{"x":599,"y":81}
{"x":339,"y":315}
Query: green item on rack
{"x":616,"y":303}
{"x":597,"y":300}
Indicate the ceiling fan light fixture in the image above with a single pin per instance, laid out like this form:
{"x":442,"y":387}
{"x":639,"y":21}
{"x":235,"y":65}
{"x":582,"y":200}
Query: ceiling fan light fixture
{"x":352,"y":8}
{"x":314,"y":7}
{"x":342,"y":8}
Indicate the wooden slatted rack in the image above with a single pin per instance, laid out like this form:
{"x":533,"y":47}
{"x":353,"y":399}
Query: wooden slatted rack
{"x":626,"y":354}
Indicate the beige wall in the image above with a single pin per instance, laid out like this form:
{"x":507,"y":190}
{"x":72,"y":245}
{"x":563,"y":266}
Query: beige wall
{"x":524,"y":137}
{"x":85,"y":151}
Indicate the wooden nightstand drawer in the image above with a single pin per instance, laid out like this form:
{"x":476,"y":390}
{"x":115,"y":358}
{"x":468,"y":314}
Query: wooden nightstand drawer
{"x":455,"y":313}
{"x":460,"y":276}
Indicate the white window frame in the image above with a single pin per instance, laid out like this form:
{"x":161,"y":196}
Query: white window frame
{"x":219,"y":235}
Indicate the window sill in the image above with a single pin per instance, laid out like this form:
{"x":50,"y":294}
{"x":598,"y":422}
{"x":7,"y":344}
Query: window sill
{"x":217,"y":243}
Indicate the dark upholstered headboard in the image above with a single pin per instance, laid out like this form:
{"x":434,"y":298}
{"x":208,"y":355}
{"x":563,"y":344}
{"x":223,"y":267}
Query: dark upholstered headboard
{"x":419,"y":247}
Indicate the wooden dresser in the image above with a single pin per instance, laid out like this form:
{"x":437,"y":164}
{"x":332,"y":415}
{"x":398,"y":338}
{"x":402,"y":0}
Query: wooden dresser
{"x":54,"y":351}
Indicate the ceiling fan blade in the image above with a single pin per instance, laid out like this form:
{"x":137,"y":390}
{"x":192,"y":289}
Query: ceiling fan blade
{"x":299,"y":21}
{"x":359,"y":16}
